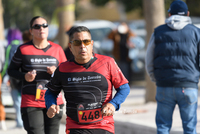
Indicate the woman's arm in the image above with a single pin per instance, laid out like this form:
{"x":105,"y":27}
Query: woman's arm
{"x":13,"y":71}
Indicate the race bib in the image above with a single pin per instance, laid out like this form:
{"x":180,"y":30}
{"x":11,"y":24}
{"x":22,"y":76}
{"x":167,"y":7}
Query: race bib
{"x":89,"y":113}
{"x":40,"y":90}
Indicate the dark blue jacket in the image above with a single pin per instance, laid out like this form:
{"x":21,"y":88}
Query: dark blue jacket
{"x":176,"y":56}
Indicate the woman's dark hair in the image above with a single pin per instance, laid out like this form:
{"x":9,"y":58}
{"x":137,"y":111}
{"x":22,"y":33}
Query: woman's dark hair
{"x":77,"y":29}
{"x":26,"y":36}
{"x":33,"y":19}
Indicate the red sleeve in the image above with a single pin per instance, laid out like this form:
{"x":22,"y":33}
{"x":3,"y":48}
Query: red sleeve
{"x":62,"y":56}
{"x":117,"y":76}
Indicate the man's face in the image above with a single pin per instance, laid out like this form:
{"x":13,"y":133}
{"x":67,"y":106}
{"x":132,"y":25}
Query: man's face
{"x":83,"y":51}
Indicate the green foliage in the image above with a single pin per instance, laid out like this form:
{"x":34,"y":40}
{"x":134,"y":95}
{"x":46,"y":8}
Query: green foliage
{"x":131,"y":4}
{"x":18,"y":13}
{"x":193,"y":7}
{"x":99,"y":2}
{"x":167,"y":5}
{"x":128,"y":4}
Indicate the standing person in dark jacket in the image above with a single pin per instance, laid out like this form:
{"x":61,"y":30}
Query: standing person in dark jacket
{"x":172,"y":61}
{"x":121,"y":38}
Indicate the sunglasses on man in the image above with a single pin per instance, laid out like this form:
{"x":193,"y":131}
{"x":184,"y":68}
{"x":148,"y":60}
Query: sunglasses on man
{"x":79,"y":42}
{"x":38,"y":26}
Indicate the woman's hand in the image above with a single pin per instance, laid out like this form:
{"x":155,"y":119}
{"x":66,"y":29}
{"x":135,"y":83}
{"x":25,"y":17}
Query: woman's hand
{"x":30,"y":76}
{"x":51,"y":69}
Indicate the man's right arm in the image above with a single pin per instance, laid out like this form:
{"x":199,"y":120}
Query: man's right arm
{"x":51,"y":94}
{"x":150,"y":58}
{"x":50,"y":99}
{"x":51,"y":104}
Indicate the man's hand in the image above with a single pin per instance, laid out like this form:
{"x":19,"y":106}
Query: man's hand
{"x":108,"y":109}
{"x":30,"y":76}
{"x":51,"y":69}
{"x":53,"y":110}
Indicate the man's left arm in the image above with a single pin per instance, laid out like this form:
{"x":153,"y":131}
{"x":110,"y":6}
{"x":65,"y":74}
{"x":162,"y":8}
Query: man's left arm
{"x":150,"y":57}
{"x":199,"y":52}
{"x":122,"y":93}
{"x":114,"y":105}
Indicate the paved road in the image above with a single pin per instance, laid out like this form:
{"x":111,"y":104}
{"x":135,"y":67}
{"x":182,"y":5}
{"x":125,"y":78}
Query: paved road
{"x":127,"y":120}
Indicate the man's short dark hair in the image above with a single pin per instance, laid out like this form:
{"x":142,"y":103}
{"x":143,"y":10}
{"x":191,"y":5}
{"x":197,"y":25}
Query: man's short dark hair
{"x":78,"y":29}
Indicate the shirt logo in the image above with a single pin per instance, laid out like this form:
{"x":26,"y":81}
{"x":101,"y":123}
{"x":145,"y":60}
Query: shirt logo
{"x":43,"y":60}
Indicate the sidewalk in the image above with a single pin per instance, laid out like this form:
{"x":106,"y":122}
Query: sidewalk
{"x":127,"y":121}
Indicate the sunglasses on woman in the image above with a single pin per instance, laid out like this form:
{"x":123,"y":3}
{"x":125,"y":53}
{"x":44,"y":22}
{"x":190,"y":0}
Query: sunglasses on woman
{"x":38,"y":26}
{"x":79,"y":42}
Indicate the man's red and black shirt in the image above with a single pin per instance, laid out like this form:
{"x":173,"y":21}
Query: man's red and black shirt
{"x":85,"y":86}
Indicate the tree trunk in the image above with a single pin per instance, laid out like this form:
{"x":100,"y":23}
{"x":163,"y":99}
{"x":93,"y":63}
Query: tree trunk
{"x":154,"y":16}
{"x":66,"y":19}
{"x":1,"y":22}
{"x":121,"y":10}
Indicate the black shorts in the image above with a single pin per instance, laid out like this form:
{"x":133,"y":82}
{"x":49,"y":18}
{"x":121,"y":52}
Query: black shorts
{"x":88,"y":131}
